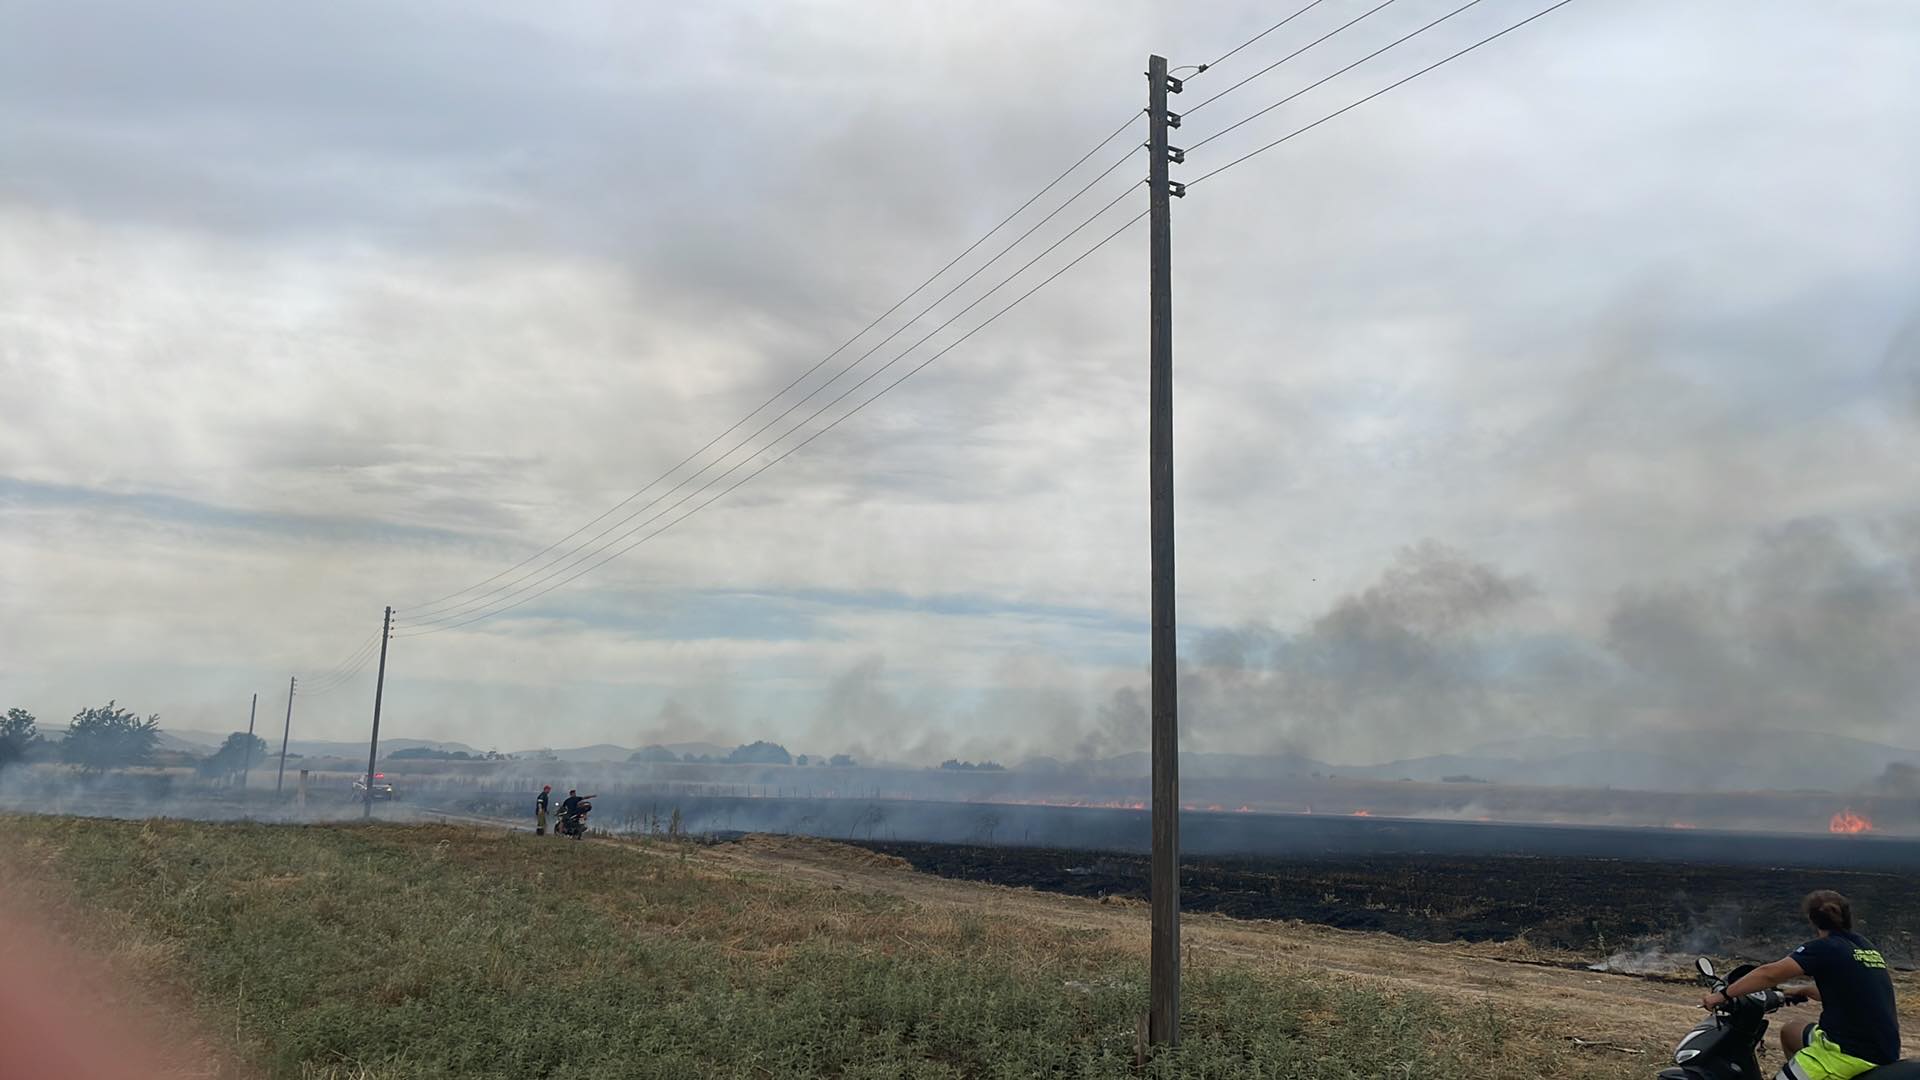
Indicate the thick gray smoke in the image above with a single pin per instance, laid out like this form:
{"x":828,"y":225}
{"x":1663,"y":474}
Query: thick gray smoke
{"x":1813,"y":630}
{"x":1406,"y":656}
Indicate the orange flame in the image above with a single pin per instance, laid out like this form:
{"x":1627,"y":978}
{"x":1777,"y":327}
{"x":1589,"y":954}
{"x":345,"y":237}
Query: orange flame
{"x":1847,"y":822}
{"x":1363,"y":813}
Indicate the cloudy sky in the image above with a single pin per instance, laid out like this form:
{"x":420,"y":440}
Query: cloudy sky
{"x":1573,"y":386}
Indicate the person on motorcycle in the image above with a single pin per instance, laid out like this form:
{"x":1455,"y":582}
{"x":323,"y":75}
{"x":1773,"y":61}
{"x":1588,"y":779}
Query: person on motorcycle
{"x":1858,"y":1028}
{"x":570,"y":805}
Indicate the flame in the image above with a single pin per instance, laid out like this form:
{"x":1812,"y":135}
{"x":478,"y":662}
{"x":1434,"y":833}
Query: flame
{"x":1363,"y":813}
{"x":1847,"y":822}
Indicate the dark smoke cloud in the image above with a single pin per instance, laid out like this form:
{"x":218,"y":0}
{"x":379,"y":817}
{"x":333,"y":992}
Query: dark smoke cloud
{"x":1812,"y":629}
{"x":1120,"y":725}
{"x":1404,"y":655}
{"x":1815,"y":628}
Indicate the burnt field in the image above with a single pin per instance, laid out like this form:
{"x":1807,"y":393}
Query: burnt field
{"x":1600,"y":908}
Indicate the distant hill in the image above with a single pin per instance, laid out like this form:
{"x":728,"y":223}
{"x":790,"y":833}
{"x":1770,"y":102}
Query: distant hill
{"x":358,"y":750}
{"x":1724,"y":760}
{"x":190,"y":742}
{"x":1710,"y":760}
{"x":610,"y":752}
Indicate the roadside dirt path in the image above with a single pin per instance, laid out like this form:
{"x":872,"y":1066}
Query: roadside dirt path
{"x":1626,"y":1015}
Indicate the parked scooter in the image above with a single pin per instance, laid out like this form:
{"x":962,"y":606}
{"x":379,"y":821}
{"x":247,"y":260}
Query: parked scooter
{"x":575,"y":823}
{"x":1727,"y":1044}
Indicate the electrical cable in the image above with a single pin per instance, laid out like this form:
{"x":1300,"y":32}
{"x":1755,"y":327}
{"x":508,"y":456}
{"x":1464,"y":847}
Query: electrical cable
{"x":831,"y":425}
{"x":1398,"y":83}
{"x":1203,"y":68}
{"x":1394,"y":85}
{"x":1329,"y":78}
{"x":428,"y":606}
{"x":351,"y":657}
{"x":325,"y":683}
{"x":586,"y":550}
{"x":342,"y":679}
{"x":473,"y":616}
{"x":1343,"y":26}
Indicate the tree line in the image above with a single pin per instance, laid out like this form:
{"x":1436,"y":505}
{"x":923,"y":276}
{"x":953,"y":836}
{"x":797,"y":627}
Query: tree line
{"x":759,"y":752}
{"x":103,"y":737}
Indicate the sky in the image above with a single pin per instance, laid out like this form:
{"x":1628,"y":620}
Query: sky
{"x":1571,"y":388}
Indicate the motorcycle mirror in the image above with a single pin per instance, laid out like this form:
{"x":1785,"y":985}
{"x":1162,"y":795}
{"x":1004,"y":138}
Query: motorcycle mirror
{"x":1705,"y":965}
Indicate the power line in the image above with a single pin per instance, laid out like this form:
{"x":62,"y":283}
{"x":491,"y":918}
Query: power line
{"x":335,"y":682}
{"x":587,"y":550}
{"x":609,"y":552}
{"x":790,"y":451}
{"x":343,"y":679}
{"x":1343,"y":26}
{"x":796,"y":427}
{"x":1329,"y":78}
{"x":1223,"y":56}
{"x":351,"y":657}
{"x":1398,"y":83}
{"x":477,"y":616}
{"x":431,"y":605}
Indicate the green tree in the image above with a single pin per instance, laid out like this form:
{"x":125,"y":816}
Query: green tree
{"x":760,"y":753}
{"x":109,"y":737}
{"x":235,"y":756}
{"x":18,"y":735}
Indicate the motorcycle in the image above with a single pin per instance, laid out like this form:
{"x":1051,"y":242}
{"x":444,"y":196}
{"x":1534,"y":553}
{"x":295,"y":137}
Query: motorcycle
{"x":574,"y":824}
{"x":1726,"y":1045}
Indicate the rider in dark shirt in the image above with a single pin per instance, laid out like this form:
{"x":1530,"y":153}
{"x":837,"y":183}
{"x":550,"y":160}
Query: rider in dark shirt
{"x":1858,"y":1027}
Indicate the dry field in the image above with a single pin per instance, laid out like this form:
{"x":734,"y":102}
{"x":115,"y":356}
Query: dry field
{"x":453,"y":951}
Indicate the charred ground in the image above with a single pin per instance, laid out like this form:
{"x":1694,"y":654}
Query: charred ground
{"x":1596,"y":907}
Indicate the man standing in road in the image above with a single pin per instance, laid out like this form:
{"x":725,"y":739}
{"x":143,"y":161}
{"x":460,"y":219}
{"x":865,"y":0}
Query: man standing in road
{"x":540,"y":809}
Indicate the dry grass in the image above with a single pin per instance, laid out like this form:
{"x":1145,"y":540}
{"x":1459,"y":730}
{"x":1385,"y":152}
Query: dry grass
{"x":381,"y":952}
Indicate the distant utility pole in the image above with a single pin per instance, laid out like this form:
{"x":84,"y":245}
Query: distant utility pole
{"x":1163,"y":1016}
{"x":379,"y":688}
{"x":284,"y":732}
{"x":248,"y":769}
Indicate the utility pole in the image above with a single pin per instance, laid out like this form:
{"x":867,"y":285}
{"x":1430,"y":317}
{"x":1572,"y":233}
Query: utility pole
{"x":248,"y":770}
{"x":379,"y":688}
{"x":284,"y":732}
{"x":1163,"y":1016}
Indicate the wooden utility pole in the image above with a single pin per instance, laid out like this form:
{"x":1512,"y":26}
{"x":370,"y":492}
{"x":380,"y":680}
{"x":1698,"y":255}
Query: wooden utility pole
{"x":1163,"y":1016}
{"x":281,"y":777}
{"x":246,"y":771}
{"x":379,"y":688}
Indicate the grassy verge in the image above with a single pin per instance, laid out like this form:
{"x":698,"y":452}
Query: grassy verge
{"x":386,"y":951}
